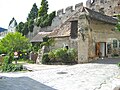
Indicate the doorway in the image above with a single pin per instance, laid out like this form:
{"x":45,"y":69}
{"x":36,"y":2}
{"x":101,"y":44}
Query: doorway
{"x":101,"y":49}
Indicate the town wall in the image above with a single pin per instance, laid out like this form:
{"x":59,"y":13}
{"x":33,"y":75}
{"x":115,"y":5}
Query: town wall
{"x":108,"y":7}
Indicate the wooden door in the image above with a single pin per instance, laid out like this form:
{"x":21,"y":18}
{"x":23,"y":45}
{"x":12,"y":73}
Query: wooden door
{"x":97,"y":49}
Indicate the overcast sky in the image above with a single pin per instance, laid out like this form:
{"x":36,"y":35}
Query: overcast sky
{"x":19,"y":9}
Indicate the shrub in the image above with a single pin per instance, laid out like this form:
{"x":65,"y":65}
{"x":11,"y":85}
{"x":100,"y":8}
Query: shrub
{"x":51,"y":56}
{"x":119,"y":64}
{"x":72,"y":54}
{"x":7,"y":60}
{"x":61,"y":55}
{"x":12,"y":67}
{"x":8,"y":66}
{"x":17,"y":67}
{"x":45,"y":59}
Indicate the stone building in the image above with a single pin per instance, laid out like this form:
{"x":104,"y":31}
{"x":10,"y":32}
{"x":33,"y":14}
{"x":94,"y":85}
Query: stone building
{"x":108,"y":7}
{"x":91,"y":33}
{"x":12,"y":26}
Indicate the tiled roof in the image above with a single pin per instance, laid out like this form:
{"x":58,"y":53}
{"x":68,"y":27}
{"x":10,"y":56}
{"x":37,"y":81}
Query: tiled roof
{"x":39,"y":36}
{"x":101,"y":17}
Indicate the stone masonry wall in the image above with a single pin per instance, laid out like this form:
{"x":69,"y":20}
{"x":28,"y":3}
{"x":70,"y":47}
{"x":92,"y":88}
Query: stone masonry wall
{"x":101,"y":32}
{"x":62,"y":16}
{"x":108,"y":7}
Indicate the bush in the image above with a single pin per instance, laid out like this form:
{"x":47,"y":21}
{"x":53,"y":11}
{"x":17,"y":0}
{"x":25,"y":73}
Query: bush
{"x":12,"y":67}
{"x":7,"y":60}
{"x":8,"y":66}
{"x":61,"y":55}
{"x":45,"y":59}
{"x":17,"y":67}
{"x":119,"y":64}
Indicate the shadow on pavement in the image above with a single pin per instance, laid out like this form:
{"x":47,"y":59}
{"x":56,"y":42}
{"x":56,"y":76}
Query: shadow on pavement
{"x":22,"y":83}
{"x":107,"y":61}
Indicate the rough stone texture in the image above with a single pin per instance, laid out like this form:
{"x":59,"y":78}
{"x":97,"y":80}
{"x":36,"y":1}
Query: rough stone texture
{"x":108,"y":7}
{"x":60,"y":18}
{"x":102,"y":32}
{"x":100,"y":75}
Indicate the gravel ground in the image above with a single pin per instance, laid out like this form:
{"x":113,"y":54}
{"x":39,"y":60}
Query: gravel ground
{"x":99,"y":75}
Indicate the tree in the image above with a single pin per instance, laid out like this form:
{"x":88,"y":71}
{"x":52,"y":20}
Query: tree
{"x":44,"y":19}
{"x":43,"y":9}
{"x":25,"y":28}
{"x":118,"y":24}
{"x":30,"y":25}
{"x":14,"y":42}
{"x":22,"y":28}
{"x":33,"y":13}
{"x":19,"y":27}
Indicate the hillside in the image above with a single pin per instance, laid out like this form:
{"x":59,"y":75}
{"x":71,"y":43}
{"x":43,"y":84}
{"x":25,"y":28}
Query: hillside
{"x":2,"y":29}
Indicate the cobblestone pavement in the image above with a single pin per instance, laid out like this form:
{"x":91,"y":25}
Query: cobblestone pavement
{"x":99,"y":75}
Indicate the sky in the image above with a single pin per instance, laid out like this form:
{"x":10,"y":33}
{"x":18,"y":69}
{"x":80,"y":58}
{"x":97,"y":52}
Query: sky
{"x":19,"y":9}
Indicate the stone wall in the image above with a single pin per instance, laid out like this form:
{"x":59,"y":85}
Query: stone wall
{"x":62,"y":16}
{"x":102,"y":32}
{"x":36,"y":30}
{"x":60,"y":42}
{"x":108,"y":7}
{"x":83,"y":40}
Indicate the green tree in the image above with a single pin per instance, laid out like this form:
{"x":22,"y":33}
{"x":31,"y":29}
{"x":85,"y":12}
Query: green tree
{"x":118,"y":24}
{"x":25,"y":29}
{"x":33,"y":13}
{"x":43,"y":9}
{"x":14,"y":42}
{"x":30,"y":25}
{"x":19,"y":27}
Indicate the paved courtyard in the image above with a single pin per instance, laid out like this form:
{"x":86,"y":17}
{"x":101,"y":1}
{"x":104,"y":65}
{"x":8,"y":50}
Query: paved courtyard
{"x":99,"y":75}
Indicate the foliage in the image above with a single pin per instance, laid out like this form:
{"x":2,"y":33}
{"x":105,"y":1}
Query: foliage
{"x":25,"y":29}
{"x":43,"y":9}
{"x":62,"y":55}
{"x":19,"y":27}
{"x":47,"y":42}
{"x":12,"y":67}
{"x":36,"y":17}
{"x":44,"y":19}
{"x":7,"y":65}
{"x":118,"y":24}
{"x":35,"y":47}
{"x":30,"y":25}
{"x":14,"y":42}
{"x":119,"y":64}
{"x":45,"y":58}
{"x":33,"y":13}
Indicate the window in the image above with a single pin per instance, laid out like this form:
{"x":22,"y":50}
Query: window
{"x":114,"y":43}
{"x":74,"y":29}
{"x":108,"y":48}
